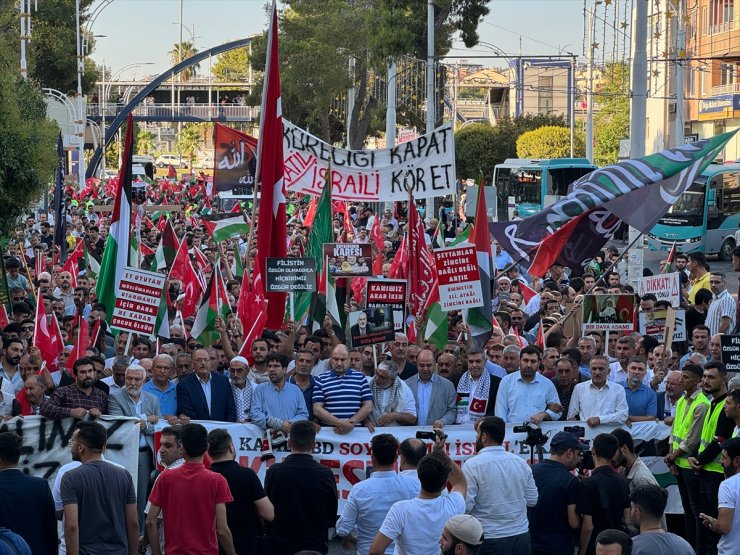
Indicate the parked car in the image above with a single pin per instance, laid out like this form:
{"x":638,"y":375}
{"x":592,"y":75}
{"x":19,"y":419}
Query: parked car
{"x":167,"y":159}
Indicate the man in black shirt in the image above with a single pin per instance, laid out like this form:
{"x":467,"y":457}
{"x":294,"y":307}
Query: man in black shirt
{"x":304,"y":494}
{"x":554,"y":520}
{"x":250,"y":501}
{"x":603,"y":499}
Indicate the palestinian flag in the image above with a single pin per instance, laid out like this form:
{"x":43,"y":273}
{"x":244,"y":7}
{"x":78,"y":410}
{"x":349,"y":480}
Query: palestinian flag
{"x":321,"y":232}
{"x":115,"y":256}
{"x":479,"y":318}
{"x":204,"y":327}
{"x":238,"y":269}
{"x":92,"y":264}
{"x":671,"y":258}
{"x":437,"y":325}
{"x":225,"y":226}
{"x":167,"y":248}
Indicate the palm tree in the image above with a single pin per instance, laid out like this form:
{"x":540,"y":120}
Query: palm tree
{"x":188,"y":142}
{"x":183,"y":51}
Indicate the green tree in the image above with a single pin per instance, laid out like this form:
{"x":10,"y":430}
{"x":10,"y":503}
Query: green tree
{"x":476,"y":150}
{"x":189,"y":141}
{"x":479,"y":147}
{"x":549,"y":142}
{"x":183,"y":51}
{"x":53,"y":51}
{"x":27,"y":138}
{"x":145,"y":141}
{"x":612,"y":120}
{"x":232,"y":65}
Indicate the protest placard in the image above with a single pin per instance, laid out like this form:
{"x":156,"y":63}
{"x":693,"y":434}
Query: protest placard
{"x":665,"y":287}
{"x":459,"y":278}
{"x":655,"y":324}
{"x":372,"y":325}
{"x":731,"y":352}
{"x":349,"y":259}
{"x":388,"y":292}
{"x":608,"y":312}
{"x":285,"y":275}
{"x":138,"y":296}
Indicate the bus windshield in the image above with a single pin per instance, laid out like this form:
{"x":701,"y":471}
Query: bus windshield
{"x":691,"y":202}
{"x":561,"y":178}
{"x":524,"y":184}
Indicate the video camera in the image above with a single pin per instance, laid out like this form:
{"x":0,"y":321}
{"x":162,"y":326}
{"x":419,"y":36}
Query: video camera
{"x":587,"y":458}
{"x":434,"y":435}
{"x":535,"y":437}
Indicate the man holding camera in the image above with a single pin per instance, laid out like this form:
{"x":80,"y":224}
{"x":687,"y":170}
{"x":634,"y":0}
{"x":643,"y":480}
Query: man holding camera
{"x":553,"y":520}
{"x":604,"y":502}
{"x":500,"y":488}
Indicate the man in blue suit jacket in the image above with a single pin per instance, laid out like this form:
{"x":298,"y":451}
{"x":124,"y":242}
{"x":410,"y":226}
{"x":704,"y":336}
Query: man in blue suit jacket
{"x":26,"y":504}
{"x":205,"y":395}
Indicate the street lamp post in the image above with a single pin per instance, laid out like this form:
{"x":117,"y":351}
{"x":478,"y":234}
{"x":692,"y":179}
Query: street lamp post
{"x":80,"y":122}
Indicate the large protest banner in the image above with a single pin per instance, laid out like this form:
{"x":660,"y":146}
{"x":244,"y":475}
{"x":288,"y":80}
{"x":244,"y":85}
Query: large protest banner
{"x":348,"y":456}
{"x":139,"y":294}
{"x":425,"y":165}
{"x":46,"y":443}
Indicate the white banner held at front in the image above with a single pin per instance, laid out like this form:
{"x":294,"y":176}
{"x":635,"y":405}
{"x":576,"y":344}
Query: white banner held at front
{"x":425,"y":165}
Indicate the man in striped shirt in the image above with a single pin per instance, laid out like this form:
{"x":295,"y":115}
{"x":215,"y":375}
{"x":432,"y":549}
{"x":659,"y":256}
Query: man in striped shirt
{"x":342,"y":398}
{"x":721,"y":313}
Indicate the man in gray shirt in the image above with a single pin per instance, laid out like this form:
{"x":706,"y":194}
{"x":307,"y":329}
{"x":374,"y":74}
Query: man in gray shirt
{"x":648,"y":506}
{"x":99,"y":499}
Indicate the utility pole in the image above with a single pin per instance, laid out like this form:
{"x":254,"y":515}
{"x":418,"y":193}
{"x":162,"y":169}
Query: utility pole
{"x":350,"y":99}
{"x":591,"y":47}
{"x":638,"y":115}
{"x":680,"y":69}
{"x":572,"y":104}
{"x":431,"y":100}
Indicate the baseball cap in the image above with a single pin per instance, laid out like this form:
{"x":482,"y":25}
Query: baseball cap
{"x":465,"y":528}
{"x":565,"y":440}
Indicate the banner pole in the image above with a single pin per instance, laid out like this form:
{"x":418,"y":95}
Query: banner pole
{"x":292,"y":306}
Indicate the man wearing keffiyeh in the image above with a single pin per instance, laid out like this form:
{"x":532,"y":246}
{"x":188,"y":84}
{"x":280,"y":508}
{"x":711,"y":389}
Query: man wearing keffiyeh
{"x":393,"y":402}
{"x":476,"y":391}
{"x":241,"y":388}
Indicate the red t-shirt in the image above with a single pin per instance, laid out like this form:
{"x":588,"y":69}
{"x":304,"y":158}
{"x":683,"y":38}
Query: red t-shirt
{"x":188,"y":497}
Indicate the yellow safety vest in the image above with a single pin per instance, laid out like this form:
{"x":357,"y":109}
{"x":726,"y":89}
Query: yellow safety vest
{"x":682,"y":424}
{"x":708,"y":432}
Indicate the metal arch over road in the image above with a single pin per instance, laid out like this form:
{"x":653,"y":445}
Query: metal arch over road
{"x":111,"y":131}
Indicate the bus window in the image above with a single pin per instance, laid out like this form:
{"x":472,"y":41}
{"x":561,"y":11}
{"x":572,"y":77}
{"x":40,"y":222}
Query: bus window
{"x":561,"y":178}
{"x":691,"y":201}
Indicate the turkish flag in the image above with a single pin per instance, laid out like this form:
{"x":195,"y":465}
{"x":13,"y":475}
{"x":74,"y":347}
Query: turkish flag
{"x":47,"y":336}
{"x":478,"y":405}
{"x":252,"y":312}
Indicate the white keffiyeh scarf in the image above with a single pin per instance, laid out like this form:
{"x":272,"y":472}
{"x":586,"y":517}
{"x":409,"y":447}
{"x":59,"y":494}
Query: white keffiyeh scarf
{"x":472,"y":405}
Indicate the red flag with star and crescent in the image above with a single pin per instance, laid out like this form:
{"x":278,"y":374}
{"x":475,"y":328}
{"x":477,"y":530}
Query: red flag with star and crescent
{"x":271,"y":230}
{"x":252,"y":313}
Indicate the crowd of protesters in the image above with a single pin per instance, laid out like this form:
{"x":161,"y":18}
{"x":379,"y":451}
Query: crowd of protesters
{"x":535,"y":367}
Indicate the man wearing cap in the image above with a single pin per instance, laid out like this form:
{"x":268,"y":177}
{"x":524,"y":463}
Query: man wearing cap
{"x":554,"y":519}
{"x":462,"y":535}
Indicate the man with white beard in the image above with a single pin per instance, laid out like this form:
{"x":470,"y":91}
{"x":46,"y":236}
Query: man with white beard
{"x":132,"y":401}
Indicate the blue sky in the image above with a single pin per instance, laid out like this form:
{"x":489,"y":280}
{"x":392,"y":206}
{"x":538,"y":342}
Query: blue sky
{"x":145,"y":30}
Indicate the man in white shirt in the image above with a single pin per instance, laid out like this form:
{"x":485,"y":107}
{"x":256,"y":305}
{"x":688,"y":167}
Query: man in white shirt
{"x":370,"y":499}
{"x":727,"y":522}
{"x":721,"y":312}
{"x":416,"y":524}
{"x":599,"y":401}
{"x":500,"y":488}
